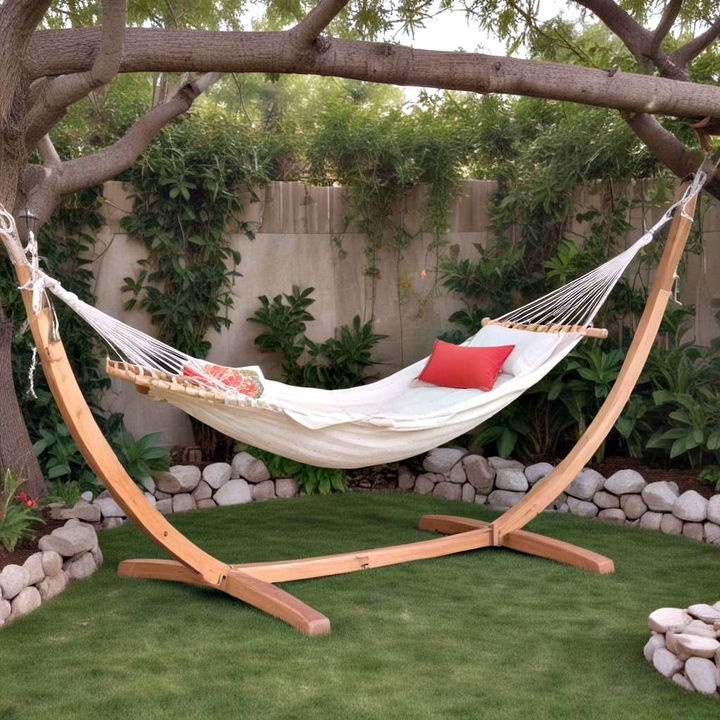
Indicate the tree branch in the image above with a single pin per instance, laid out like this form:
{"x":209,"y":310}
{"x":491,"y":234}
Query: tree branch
{"x":53,"y":96}
{"x":645,"y":46}
{"x":46,"y":185}
{"x":634,"y":36}
{"x":670,"y":13}
{"x":668,"y":149}
{"x":307,"y":31}
{"x":202,"y":51}
{"x":48,"y":153}
{"x":686,"y":53}
{"x":90,"y":170}
{"x":18,"y":20}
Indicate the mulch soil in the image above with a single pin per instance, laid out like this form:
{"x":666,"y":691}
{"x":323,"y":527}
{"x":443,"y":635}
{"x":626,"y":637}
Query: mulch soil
{"x":25,"y":548}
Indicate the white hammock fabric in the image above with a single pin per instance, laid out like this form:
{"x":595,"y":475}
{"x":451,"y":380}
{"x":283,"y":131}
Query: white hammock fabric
{"x":392,"y":419}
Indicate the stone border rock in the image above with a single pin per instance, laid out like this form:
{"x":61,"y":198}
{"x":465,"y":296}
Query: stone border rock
{"x":185,"y":487}
{"x":625,"y":498}
{"x":684,"y":646}
{"x":70,"y":552}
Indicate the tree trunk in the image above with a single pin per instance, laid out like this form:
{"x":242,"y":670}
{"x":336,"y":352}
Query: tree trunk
{"x":17,"y":23}
{"x":16,"y":451}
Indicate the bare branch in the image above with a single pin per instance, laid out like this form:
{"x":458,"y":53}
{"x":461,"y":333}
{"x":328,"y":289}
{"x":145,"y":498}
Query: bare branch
{"x":644,"y":45}
{"x":668,"y":149}
{"x":48,"y":153}
{"x":635,"y":37}
{"x":670,"y":13}
{"x":53,"y":96}
{"x":86,"y":171}
{"x":686,"y":53}
{"x":201,"y":51}
{"x":309,"y":28}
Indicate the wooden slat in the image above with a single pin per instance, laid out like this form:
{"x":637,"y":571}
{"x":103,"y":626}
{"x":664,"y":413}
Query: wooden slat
{"x":592,"y":332}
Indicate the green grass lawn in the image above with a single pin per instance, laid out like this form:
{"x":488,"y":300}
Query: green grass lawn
{"x":485,"y":634}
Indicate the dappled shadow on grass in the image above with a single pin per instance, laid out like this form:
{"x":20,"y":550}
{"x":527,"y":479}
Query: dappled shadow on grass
{"x":489,"y":633}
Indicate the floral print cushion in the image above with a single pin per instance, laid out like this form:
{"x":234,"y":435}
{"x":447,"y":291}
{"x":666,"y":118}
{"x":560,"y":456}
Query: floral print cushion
{"x":242,"y":380}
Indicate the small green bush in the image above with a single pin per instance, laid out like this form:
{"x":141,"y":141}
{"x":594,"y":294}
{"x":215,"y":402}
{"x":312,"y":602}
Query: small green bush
{"x":311,"y":479}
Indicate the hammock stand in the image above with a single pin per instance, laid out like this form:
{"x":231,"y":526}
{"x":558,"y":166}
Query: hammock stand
{"x":254,"y":583}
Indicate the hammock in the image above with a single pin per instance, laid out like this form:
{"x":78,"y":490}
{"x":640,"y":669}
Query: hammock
{"x":392,"y":419}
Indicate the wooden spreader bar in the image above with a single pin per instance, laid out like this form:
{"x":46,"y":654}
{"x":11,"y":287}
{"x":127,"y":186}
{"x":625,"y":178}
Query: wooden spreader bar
{"x":146,"y":378}
{"x":253,"y":582}
{"x":592,"y":332}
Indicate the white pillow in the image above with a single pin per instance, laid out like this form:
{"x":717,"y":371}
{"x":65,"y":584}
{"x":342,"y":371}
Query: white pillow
{"x":532,"y":349}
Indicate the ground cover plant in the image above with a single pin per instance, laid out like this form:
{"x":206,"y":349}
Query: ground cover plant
{"x":481,"y":634}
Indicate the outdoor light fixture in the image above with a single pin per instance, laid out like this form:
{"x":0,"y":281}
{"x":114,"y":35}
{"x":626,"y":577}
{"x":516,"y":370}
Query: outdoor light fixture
{"x":30,"y":220}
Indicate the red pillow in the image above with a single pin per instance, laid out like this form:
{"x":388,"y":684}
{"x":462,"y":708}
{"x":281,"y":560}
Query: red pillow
{"x":464,"y":367}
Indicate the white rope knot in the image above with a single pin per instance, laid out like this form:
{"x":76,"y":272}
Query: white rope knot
{"x":7,"y":223}
{"x":38,"y":279}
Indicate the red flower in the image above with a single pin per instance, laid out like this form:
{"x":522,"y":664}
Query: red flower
{"x":31,"y":503}
{"x":23,"y":496}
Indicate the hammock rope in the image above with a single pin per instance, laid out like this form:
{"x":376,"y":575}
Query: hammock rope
{"x":578,"y":302}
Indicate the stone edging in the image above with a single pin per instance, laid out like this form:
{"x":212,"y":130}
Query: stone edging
{"x":70,"y":552}
{"x":684,"y":646}
{"x":185,"y":487}
{"x":625,"y":498}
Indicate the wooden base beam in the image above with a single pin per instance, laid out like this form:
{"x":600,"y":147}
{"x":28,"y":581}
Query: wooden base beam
{"x":526,"y":542}
{"x":263,"y":595}
{"x":253,"y":582}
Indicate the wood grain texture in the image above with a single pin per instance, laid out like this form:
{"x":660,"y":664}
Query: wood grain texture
{"x":263,"y":595}
{"x":526,"y":542}
{"x":600,"y":333}
{"x":98,"y":452}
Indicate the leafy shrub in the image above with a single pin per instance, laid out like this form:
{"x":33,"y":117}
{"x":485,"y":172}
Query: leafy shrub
{"x":67,"y":493}
{"x":141,"y":458}
{"x":18,"y":512}
{"x":336,"y":363}
{"x":63,"y":463}
{"x":674,"y":413}
{"x":711,"y":476}
{"x":310,"y":479}
{"x":695,"y":427}
{"x":60,"y":458}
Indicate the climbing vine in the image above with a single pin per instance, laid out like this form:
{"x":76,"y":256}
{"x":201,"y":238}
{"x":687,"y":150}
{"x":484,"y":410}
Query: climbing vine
{"x":189,"y":190}
{"x":379,"y":158}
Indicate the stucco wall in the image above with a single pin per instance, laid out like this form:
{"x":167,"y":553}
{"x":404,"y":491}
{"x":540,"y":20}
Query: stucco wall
{"x":296,"y":243}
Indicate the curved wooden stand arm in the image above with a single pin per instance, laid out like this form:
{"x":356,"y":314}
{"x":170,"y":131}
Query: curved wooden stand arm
{"x":547,"y":489}
{"x":99,"y":454}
